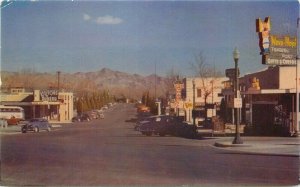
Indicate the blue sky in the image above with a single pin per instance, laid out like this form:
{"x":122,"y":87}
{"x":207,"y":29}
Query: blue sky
{"x":132,"y":36}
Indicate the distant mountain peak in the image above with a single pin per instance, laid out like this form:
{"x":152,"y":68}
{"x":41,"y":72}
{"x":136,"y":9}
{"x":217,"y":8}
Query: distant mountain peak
{"x":106,"y":70}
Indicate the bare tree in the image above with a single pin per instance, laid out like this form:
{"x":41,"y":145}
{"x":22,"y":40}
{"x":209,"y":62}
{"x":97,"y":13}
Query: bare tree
{"x":172,"y":76}
{"x":208,"y":75}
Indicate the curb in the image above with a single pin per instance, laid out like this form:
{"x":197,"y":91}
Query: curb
{"x":229,"y":144}
{"x":250,"y":152}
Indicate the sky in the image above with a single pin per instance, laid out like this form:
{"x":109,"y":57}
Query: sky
{"x":141,"y":37}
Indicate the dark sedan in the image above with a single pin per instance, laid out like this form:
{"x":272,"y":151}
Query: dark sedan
{"x":81,"y":118}
{"x":36,"y":125}
{"x":156,"y":125}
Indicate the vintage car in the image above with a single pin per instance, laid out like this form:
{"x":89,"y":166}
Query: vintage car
{"x":36,"y":125}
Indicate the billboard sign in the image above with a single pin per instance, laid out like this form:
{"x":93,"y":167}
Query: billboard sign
{"x":49,"y":95}
{"x":283,"y":51}
{"x":275,"y":49}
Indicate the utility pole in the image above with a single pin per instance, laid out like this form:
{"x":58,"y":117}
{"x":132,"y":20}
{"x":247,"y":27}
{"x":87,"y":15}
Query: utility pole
{"x":296,"y":130}
{"x":194,"y":103}
{"x":58,"y":80}
{"x":155,"y":81}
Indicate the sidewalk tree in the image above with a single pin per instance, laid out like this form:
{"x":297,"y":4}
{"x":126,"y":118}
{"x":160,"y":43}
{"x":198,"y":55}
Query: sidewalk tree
{"x":207,"y":74}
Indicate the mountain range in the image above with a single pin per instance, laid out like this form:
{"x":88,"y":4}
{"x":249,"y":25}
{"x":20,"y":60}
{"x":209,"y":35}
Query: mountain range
{"x":118,"y":83}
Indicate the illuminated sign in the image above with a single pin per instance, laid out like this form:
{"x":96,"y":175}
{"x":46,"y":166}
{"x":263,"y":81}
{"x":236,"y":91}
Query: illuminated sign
{"x":275,"y":49}
{"x":283,"y":51}
{"x":263,"y":28}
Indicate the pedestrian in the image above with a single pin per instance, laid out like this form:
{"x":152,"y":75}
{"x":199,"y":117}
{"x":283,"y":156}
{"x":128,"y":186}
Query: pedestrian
{"x":2,"y":123}
{"x":5,"y":124}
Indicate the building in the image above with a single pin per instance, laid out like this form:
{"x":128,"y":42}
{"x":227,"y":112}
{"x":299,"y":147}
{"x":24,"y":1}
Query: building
{"x":205,"y":91}
{"x":50,"y":104}
{"x":269,"y":101}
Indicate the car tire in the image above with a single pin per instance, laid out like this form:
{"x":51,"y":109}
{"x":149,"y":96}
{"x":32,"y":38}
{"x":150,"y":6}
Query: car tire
{"x":23,"y":130}
{"x":148,"y":133}
{"x":36,"y":129}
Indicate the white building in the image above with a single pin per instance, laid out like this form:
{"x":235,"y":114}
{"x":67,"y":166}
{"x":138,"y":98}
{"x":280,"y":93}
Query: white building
{"x":208,"y":88}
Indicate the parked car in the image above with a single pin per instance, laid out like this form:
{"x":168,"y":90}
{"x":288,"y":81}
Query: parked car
{"x":85,"y":117}
{"x":166,"y":125}
{"x":183,"y":129}
{"x":156,"y":125}
{"x":81,"y":118}
{"x":92,"y":115}
{"x":76,"y":119}
{"x":36,"y":125}
{"x":105,"y":107}
{"x":101,"y":115}
{"x":97,"y":114}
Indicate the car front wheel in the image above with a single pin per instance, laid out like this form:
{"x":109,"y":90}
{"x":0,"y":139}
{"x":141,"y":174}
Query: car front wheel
{"x":36,"y":129}
{"x":148,"y":133}
{"x":161,"y":134}
{"x":23,"y":130}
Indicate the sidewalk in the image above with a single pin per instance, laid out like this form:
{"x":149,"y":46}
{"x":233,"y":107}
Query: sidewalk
{"x":11,"y":129}
{"x":280,"y":146}
{"x":15,"y":129}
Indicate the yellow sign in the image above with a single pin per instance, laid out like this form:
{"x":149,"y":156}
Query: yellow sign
{"x":285,"y":41}
{"x":275,"y":50}
{"x":188,"y":105}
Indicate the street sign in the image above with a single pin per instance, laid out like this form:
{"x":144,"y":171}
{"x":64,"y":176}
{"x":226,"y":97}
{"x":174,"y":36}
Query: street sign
{"x":188,"y":105}
{"x":237,"y":103}
{"x":230,"y":73}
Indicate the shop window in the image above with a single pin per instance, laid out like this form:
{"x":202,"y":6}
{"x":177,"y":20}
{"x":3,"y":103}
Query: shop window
{"x":199,"y":92}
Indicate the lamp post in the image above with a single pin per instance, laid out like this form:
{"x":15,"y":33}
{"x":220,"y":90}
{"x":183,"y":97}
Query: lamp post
{"x":193,"y":113}
{"x":237,"y":139}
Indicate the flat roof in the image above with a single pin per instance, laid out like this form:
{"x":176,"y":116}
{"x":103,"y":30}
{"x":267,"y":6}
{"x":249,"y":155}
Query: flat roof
{"x":270,"y":91}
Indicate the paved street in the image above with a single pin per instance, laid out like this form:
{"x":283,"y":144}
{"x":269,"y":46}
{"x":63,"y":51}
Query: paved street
{"x":110,"y":152}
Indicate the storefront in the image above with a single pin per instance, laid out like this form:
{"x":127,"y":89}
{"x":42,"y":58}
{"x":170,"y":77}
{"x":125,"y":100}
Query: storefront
{"x":269,"y":102}
{"x":49,"y":104}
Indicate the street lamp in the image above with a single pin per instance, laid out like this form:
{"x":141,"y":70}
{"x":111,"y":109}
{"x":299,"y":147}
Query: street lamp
{"x":237,"y":139}
{"x":193,"y":113}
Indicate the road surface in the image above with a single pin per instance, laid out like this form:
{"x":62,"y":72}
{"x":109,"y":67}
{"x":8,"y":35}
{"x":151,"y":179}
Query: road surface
{"x":109,"y":152}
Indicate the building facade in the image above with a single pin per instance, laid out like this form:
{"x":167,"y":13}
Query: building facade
{"x":269,"y":101}
{"x":192,"y":93}
{"x":206,"y":92}
{"x":51,"y":104}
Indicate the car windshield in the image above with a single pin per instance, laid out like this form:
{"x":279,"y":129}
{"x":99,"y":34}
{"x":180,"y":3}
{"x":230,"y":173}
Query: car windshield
{"x":34,"y":120}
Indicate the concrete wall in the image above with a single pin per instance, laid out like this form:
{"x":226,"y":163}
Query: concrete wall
{"x":287,"y":78}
